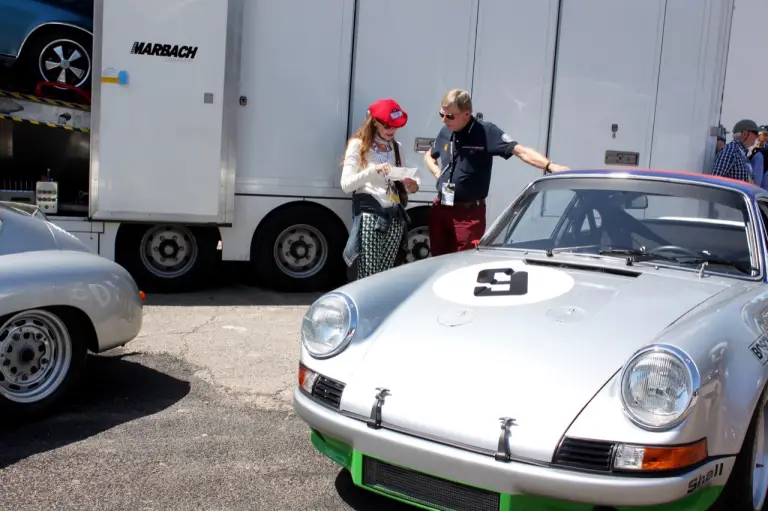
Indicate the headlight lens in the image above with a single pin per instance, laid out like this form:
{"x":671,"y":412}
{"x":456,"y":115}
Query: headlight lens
{"x":659,"y":386}
{"x":329,"y":325}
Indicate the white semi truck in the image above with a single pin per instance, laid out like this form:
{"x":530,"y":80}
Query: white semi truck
{"x":216,"y":127}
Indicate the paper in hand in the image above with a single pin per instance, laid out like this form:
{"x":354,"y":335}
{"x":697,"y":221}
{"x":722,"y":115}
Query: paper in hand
{"x":400,"y":173}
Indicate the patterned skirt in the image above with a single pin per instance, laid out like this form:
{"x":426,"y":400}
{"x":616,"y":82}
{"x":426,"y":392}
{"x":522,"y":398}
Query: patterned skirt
{"x":378,"y":249}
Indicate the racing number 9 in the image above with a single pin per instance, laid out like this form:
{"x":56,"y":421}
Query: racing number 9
{"x":516,"y":285}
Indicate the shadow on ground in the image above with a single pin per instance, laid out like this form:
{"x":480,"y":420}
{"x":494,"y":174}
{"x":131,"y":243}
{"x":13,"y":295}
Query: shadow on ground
{"x":363,"y":500}
{"x":113,"y":391}
{"x":232,"y":285}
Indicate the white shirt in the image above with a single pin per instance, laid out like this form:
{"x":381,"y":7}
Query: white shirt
{"x":367,"y":180}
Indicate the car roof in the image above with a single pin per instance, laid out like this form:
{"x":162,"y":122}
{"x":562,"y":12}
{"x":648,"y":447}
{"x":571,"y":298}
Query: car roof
{"x":742,"y":186}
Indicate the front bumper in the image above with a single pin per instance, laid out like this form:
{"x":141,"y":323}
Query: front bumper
{"x":350,"y":442}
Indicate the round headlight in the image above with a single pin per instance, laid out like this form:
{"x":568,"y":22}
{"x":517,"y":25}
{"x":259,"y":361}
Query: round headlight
{"x":329,"y":325}
{"x":659,"y":386}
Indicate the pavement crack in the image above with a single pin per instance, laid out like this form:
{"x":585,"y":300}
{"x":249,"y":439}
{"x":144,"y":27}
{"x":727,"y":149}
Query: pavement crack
{"x":208,"y":322}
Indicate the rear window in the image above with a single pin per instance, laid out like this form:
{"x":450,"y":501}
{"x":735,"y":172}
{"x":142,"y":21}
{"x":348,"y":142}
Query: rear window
{"x":23,"y":209}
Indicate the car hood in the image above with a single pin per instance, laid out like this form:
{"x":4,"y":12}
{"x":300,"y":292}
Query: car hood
{"x":455,"y":363}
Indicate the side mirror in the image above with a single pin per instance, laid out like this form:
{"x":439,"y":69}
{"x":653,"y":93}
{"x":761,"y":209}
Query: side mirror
{"x":640,"y":202}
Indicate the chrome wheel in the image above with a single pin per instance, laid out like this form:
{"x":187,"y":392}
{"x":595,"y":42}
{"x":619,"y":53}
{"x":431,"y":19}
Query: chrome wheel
{"x":168,"y":251}
{"x":35,"y":355}
{"x":66,"y":62}
{"x":301,"y":251}
{"x":418,"y":244}
{"x":760,"y":457}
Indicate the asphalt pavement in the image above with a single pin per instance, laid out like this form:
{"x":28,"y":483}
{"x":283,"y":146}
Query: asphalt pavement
{"x":194,"y":414}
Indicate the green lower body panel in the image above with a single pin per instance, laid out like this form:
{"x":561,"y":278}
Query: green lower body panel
{"x":436,"y":494}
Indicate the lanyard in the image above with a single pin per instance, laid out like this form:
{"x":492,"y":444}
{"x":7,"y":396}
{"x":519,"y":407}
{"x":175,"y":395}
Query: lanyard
{"x":385,"y":160}
{"x":378,"y":154}
{"x":454,"y":153}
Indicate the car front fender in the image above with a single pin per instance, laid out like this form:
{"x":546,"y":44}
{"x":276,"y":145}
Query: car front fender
{"x":719,"y":336}
{"x":100,"y":288}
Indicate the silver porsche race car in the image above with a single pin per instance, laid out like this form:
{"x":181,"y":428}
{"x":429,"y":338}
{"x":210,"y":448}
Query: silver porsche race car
{"x":604,"y":347}
{"x":58,"y":300}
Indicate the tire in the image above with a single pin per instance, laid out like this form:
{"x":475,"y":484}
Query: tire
{"x":298,"y":248}
{"x":40,"y":49}
{"x":43,"y":355}
{"x":738,"y":491}
{"x":168,"y":258}
{"x":418,"y":237}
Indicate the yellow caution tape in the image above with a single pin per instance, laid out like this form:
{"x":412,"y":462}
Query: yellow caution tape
{"x":48,"y":124}
{"x":54,"y":102}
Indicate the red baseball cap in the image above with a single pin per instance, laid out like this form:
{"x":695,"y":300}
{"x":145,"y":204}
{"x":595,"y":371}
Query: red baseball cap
{"x":388,"y":112}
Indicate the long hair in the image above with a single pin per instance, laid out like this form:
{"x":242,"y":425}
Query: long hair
{"x":366,"y":133}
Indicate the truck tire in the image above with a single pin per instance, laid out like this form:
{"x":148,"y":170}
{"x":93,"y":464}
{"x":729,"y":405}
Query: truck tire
{"x":168,"y":258}
{"x":41,"y":54}
{"x":43,"y":355}
{"x":418,"y":237}
{"x":299,"y":249}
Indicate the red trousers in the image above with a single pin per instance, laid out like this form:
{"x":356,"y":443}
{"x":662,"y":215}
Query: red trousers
{"x":454,"y":228}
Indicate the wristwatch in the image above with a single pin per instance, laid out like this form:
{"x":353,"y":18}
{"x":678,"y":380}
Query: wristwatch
{"x":546,"y":169}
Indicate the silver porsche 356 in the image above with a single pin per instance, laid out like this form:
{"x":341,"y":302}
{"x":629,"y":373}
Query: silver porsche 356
{"x":58,"y":300}
{"x":603,"y":347}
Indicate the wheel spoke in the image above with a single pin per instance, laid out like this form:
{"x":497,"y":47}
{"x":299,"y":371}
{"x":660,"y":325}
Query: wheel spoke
{"x":60,"y":52}
{"x":75,"y":55}
{"x":62,"y":76}
{"x":77,"y":71}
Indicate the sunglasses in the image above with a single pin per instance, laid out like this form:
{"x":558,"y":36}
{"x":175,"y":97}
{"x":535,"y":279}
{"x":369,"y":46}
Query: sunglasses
{"x":450,"y":117}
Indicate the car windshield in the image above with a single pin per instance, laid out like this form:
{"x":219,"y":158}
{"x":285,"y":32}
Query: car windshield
{"x":684,"y":225}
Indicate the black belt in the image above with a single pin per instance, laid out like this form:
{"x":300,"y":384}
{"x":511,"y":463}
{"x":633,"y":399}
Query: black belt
{"x":470,"y":204}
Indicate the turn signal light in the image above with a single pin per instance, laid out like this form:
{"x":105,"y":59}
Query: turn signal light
{"x":639,"y":458}
{"x":307,"y":378}
{"x":142,"y":296}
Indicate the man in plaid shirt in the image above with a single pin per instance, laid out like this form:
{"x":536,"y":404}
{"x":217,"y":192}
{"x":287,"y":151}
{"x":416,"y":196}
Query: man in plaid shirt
{"x":732,"y":160}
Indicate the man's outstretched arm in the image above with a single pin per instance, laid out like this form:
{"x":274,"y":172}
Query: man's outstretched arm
{"x":536,"y":159}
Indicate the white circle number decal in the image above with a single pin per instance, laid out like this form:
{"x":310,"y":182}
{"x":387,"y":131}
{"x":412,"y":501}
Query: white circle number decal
{"x":500,"y":283}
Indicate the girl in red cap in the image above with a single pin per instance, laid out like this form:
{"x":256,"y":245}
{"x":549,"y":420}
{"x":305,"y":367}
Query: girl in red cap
{"x":378,"y":202}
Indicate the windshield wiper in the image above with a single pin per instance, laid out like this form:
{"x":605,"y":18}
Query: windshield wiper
{"x":745,"y":268}
{"x":635,"y":255}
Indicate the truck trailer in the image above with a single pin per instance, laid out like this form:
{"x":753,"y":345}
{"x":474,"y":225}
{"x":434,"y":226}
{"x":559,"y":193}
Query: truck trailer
{"x":214,"y":130}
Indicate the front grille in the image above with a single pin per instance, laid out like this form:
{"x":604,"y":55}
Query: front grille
{"x":328,"y":391}
{"x":426,"y":490}
{"x":585,"y":454}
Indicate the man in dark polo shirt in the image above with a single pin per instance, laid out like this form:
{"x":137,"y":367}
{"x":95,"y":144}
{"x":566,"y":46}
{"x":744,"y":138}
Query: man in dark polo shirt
{"x":466,"y":147}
